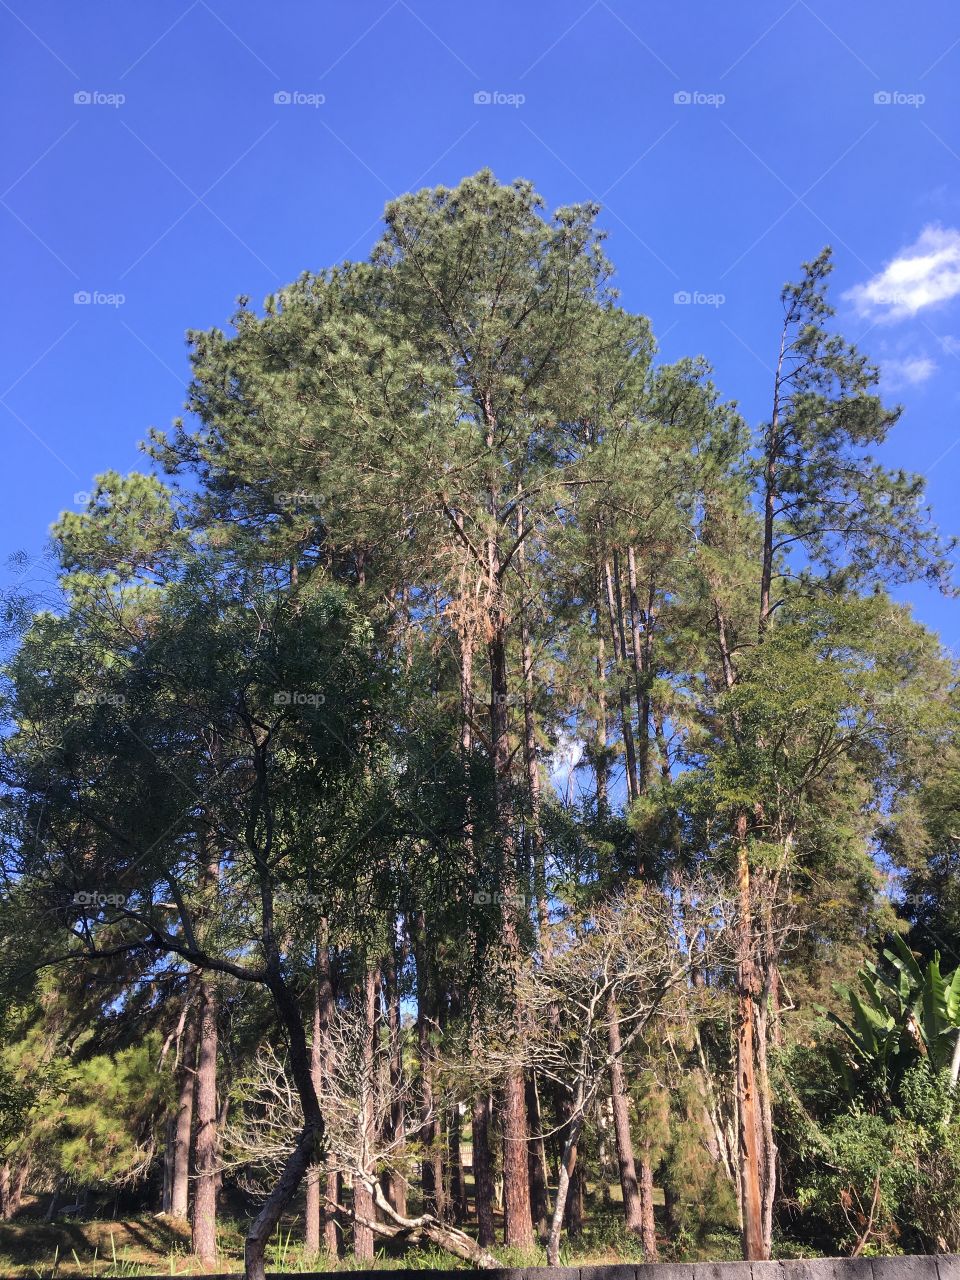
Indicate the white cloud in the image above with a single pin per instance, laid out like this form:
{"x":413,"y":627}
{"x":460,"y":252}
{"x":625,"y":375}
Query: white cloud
{"x":921,"y":275}
{"x":907,"y":372}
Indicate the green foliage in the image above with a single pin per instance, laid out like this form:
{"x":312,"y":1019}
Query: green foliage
{"x":436,"y":520}
{"x":906,"y":1014}
{"x":834,"y":503}
{"x":891,"y":1180}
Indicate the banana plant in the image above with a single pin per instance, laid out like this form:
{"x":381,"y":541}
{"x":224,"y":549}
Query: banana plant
{"x":931,"y":1001}
{"x":909,"y":1013}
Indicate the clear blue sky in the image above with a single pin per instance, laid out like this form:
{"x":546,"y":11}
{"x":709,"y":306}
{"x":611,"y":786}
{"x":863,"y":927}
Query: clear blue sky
{"x":178,"y":181}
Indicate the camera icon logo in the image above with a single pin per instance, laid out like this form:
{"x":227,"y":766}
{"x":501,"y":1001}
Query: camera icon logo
{"x":682,"y":297}
{"x":282,"y":98}
{"x":82,"y":298}
{"x":683,"y":98}
{"x":83,"y":98}
{"x":483,"y":98}
{"x":883,"y":98}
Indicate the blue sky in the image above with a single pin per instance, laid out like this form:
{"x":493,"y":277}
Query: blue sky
{"x":163,"y":159}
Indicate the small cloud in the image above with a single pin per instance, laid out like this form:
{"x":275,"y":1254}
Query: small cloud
{"x":908,"y":372}
{"x":921,"y":275}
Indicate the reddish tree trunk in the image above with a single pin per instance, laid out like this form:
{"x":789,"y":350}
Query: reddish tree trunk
{"x":748,"y":1110}
{"x":362,"y":1196}
{"x":518,"y":1223}
{"x":180,"y":1180}
{"x":205,"y":1142}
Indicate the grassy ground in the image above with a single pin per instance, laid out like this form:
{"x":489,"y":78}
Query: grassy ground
{"x":131,"y":1246}
{"x":155,"y":1245}
{"x":147,"y":1244}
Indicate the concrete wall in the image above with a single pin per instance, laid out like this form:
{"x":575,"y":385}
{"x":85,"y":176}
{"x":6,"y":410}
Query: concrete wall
{"x":941,"y":1267}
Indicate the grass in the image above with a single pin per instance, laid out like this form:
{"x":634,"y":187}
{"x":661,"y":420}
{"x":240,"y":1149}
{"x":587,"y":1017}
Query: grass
{"x":148,"y":1244}
{"x":138,"y":1245}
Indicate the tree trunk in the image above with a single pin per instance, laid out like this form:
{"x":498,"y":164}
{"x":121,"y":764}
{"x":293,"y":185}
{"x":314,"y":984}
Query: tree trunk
{"x":205,"y":1143}
{"x":768,"y":1162}
{"x":648,"y":1230}
{"x":300,"y":1159}
{"x":642,"y":653}
{"x":749,"y":1120}
{"x":311,"y":1138}
{"x":576,"y":1201}
{"x":314,"y":1207}
{"x":322,"y":1180}
{"x":518,"y":1224}
{"x":671,"y":1210}
{"x":770,"y":478}
{"x":458,"y":1179}
{"x":482,"y":1170}
{"x":180,"y":1184}
{"x":615,"y":618}
{"x":169,"y":1136}
{"x":601,"y":754}
{"x":362,"y":1195}
{"x":51,"y":1213}
{"x":395,"y":1186}
{"x":430,"y":1165}
{"x":18,"y":1188}
{"x":480,"y":1117}
{"x":530,"y":754}
{"x":629,"y":1186}
{"x":568,"y":1164}
{"x":537,"y":1160}
{"x":449,"y":1238}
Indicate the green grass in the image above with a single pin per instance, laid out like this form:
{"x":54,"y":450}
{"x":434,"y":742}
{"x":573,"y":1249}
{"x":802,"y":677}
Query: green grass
{"x":146,"y":1244}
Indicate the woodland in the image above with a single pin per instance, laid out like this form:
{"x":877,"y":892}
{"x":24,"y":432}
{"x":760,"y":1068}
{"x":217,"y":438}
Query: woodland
{"x":473,"y":799}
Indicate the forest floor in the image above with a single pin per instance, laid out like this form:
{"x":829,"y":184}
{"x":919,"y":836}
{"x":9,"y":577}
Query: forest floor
{"x":148,"y":1244}
{"x":142,"y":1244}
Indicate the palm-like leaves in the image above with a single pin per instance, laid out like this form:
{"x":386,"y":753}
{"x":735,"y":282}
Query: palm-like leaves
{"x":910,"y":1012}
